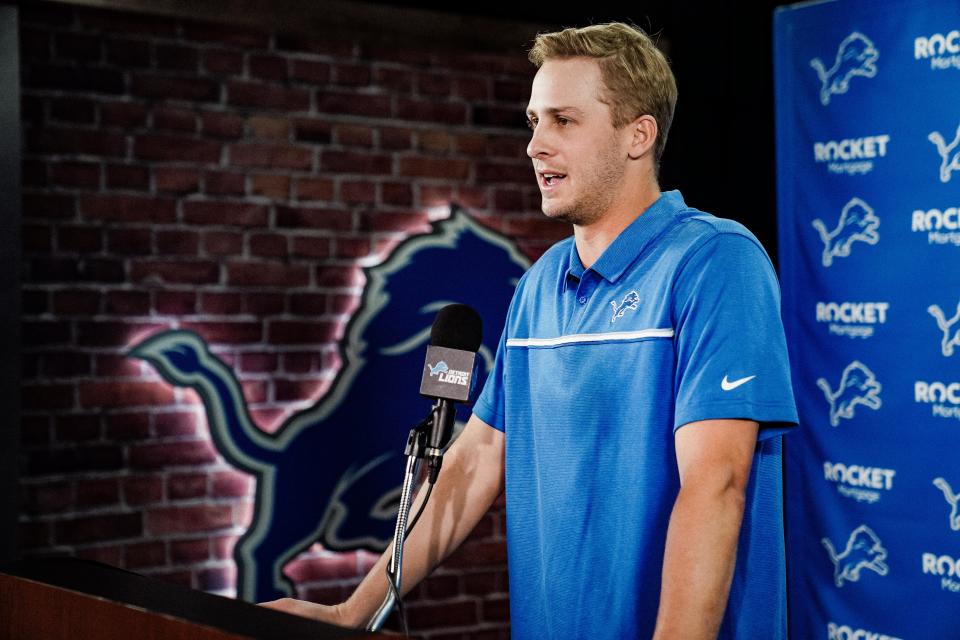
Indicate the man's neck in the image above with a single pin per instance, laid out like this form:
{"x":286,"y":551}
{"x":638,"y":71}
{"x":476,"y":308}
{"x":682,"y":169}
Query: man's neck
{"x":593,"y":239}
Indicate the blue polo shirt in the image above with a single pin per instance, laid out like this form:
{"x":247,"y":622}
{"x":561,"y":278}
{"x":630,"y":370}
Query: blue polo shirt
{"x":677,"y":321}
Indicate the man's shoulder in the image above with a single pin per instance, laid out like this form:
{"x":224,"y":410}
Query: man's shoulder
{"x":702,"y":226}
{"x":697,"y":229}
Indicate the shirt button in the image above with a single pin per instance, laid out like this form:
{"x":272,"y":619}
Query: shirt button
{"x":583,"y":299}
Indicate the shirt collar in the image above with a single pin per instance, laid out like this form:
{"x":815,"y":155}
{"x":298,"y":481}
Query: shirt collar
{"x":631,"y":242}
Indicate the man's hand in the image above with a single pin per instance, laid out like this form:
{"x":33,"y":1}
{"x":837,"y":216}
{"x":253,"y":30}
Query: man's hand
{"x":323,"y":613}
{"x":714,"y":459}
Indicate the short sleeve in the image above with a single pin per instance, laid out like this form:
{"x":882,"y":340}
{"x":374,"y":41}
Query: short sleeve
{"x":489,"y":407}
{"x":730,"y":346}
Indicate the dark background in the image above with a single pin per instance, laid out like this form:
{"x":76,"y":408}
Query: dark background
{"x":720,"y":152}
{"x":9,"y":279}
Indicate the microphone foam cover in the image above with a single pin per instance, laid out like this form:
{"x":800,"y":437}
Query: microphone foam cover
{"x":457,"y":326}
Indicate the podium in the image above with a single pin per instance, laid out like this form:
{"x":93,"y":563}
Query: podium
{"x":67,"y":598}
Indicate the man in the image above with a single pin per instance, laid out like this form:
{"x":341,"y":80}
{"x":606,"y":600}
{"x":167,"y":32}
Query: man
{"x":639,"y":391}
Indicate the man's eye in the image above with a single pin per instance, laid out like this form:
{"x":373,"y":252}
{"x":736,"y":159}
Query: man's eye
{"x":563,"y":122}
{"x":531,"y":124}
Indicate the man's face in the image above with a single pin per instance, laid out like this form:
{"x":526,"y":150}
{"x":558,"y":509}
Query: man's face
{"x":578,"y":156}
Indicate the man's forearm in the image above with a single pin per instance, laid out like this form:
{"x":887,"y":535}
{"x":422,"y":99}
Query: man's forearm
{"x":471,"y":479}
{"x":698,"y":562}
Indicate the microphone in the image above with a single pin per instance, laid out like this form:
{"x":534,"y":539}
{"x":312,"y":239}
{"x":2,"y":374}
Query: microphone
{"x":447,"y":377}
{"x":449,"y":373}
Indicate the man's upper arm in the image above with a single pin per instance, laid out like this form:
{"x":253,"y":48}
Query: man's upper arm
{"x":479,"y":452}
{"x":716,"y":453}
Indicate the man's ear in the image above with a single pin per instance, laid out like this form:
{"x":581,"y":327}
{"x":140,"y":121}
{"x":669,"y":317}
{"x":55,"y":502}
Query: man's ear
{"x":643,"y":136}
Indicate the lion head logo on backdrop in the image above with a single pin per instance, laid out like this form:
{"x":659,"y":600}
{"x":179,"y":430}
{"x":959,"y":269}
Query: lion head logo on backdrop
{"x":332,"y":473}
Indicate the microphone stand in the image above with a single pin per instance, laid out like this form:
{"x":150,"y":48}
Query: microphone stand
{"x":415,"y":451}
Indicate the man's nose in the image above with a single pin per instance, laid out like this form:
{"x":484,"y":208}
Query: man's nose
{"x":539,"y":145}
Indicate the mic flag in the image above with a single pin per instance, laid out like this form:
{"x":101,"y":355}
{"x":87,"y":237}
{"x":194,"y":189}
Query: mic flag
{"x":448,"y":372}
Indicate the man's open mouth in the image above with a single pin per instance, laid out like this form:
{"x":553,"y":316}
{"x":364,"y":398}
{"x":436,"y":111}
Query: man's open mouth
{"x":552,"y":179}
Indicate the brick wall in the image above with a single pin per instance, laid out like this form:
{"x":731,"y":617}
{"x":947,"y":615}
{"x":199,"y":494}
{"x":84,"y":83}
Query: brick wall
{"x":231,"y":181}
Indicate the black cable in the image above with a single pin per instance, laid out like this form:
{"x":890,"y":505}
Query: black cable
{"x":401,"y":609}
{"x":419,"y":511}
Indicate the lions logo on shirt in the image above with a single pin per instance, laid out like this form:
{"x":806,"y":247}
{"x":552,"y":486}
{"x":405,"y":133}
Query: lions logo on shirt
{"x":630,"y":301}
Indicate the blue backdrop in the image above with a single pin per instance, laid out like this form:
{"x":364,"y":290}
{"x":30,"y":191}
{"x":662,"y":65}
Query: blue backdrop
{"x":868,"y":152}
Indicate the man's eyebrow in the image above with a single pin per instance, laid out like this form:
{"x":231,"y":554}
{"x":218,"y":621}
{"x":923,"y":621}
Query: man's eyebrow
{"x":555,"y":110}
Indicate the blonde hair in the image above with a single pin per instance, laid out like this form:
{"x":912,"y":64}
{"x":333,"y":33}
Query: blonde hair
{"x":636,"y":74}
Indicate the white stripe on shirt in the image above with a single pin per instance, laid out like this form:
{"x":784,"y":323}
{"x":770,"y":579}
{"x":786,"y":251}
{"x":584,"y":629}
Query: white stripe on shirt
{"x":578,"y":338}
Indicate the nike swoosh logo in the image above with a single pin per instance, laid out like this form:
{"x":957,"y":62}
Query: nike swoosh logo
{"x":727,"y":385}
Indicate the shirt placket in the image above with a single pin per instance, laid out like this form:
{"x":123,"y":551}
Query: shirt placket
{"x":585,"y":292}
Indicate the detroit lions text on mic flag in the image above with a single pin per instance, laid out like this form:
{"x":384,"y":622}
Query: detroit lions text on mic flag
{"x":448,"y":372}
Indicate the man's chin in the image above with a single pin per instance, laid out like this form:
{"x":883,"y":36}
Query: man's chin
{"x":561,"y":214}
{"x":554,"y":211}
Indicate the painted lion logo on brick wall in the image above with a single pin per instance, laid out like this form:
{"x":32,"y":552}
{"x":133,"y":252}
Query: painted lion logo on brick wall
{"x":332,"y":473}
